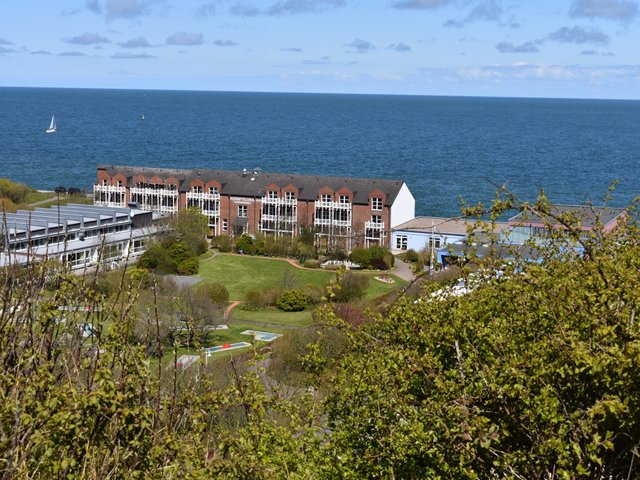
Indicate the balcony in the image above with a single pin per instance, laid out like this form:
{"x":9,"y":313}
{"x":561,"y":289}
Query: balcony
{"x":291,"y":202}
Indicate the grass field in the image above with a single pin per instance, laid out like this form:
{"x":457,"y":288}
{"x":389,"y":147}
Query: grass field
{"x":240,"y":274}
{"x":272,"y":316}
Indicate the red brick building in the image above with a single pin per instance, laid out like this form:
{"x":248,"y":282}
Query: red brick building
{"x":341,"y":211}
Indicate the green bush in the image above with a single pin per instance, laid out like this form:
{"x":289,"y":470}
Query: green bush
{"x":311,"y":263}
{"x":179,"y":252}
{"x":411,"y":256}
{"x":375,"y":257}
{"x":292,"y":301}
{"x":216,"y":292}
{"x":222,"y":243}
{"x":188,"y":266}
{"x":244,"y":244}
{"x":157,"y":258}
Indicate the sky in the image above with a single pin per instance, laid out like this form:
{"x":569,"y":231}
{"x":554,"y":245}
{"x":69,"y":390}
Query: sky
{"x":520,"y":48}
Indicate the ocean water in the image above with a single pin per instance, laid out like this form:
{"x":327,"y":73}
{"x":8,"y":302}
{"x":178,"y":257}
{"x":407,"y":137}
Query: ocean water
{"x":447,"y":149}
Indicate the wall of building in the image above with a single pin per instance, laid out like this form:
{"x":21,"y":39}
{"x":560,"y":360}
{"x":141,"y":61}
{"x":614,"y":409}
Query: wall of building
{"x":404,"y":207}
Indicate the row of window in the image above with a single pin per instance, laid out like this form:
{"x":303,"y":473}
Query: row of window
{"x":402,"y":240}
{"x":52,"y":239}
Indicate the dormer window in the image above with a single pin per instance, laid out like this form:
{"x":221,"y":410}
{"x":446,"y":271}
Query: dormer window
{"x":376,"y":203}
{"x":120,"y":183}
{"x":325,"y":198}
{"x":289,"y":196}
{"x":104,"y":183}
{"x":213,"y":190}
{"x":272,"y":194}
{"x":344,"y":198}
{"x":197,"y":189}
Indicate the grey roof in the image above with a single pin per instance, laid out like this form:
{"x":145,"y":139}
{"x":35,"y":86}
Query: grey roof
{"x":54,"y":217}
{"x":443,"y":226}
{"x":241,"y":184}
{"x":586,"y":214}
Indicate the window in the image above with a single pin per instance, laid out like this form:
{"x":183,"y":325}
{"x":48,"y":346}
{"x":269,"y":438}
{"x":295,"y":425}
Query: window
{"x":119,"y":183}
{"x":104,"y":183}
{"x":376,"y":203}
{"x":197,"y":189}
{"x":376,"y":219}
{"x":272,"y":194}
{"x":213,"y":190}
{"x":242,"y":211}
{"x":325,"y":198}
{"x":344,"y":198}
{"x":225,"y":224}
{"x":401,"y":242}
{"x":289,"y":196}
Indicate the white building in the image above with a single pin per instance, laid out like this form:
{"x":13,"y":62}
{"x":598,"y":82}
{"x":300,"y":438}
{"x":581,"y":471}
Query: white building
{"x":78,"y":236}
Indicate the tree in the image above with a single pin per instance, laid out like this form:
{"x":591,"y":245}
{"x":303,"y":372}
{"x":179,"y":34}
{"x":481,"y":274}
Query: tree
{"x":191,"y":228}
{"x":531,"y":375}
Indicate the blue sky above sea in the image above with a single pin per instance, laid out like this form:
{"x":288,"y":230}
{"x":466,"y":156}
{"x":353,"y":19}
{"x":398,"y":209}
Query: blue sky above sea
{"x":569,"y":49}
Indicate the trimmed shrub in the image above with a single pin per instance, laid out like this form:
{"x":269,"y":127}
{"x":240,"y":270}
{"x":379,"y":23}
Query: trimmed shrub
{"x":361,"y":256}
{"x":292,"y":301}
{"x":311,"y":263}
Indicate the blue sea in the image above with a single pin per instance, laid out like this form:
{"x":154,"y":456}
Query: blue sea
{"x":447,"y":149}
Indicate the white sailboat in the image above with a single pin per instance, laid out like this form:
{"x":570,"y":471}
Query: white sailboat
{"x":52,"y":125}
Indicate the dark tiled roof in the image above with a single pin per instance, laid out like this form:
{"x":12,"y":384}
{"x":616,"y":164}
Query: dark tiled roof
{"x":586,"y":214}
{"x":241,"y":184}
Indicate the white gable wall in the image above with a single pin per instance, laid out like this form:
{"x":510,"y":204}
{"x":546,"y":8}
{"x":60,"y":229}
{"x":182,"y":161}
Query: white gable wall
{"x":404,"y":207}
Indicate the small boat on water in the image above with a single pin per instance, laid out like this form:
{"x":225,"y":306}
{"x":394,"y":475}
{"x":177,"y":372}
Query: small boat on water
{"x":52,"y":125}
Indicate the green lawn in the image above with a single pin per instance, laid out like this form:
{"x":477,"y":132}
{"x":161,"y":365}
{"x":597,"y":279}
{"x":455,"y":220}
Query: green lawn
{"x":272,"y":315}
{"x":240,"y":274}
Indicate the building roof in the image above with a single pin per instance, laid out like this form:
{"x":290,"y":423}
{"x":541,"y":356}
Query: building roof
{"x":71,"y":215}
{"x":443,"y":226}
{"x":589,"y":216}
{"x":248,"y":184}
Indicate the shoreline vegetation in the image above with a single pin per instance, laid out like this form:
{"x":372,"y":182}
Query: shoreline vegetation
{"x":492,"y":370}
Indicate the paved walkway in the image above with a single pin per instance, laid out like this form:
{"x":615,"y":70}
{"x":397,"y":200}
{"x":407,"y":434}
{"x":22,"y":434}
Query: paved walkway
{"x":402,"y":270}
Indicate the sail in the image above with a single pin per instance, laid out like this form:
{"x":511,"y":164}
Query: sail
{"x":52,"y":125}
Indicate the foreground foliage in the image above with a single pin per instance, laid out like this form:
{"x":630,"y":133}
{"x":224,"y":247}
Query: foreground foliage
{"x":532,"y":375}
